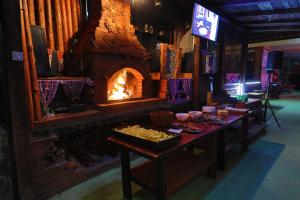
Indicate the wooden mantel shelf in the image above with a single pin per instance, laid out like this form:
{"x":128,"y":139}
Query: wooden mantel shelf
{"x":104,"y":112}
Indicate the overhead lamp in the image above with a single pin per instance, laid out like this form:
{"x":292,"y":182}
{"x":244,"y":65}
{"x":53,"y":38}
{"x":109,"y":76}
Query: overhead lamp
{"x":157,"y":3}
{"x":137,"y":1}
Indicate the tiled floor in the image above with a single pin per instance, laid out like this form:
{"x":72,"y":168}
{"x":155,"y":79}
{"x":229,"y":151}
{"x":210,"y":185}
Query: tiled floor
{"x":270,"y":170}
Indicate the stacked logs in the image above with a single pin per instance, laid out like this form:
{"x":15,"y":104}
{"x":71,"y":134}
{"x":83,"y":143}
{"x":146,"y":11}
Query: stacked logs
{"x":61,"y":20}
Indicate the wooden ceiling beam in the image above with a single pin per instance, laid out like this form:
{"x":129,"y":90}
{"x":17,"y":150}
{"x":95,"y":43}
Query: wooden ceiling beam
{"x":237,"y":3}
{"x":270,"y":22}
{"x":274,"y":30}
{"x":268,"y":36}
{"x":275,"y":27}
{"x":262,"y":25}
{"x":224,"y":16}
{"x":266,"y":13}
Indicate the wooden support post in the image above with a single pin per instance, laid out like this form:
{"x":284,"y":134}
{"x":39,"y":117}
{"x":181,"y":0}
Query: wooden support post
{"x":243,"y":68}
{"x":34,"y":81}
{"x":160,"y":180}
{"x":65,"y":23}
{"x":59,"y":26}
{"x":196,"y":74}
{"x":69,"y":17}
{"x":259,"y":51}
{"x":31,"y":12}
{"x":50,"y":35}
{"x":244,"y":133}
{"x":41,"y":8}
{"x":221,"y":150}
{"x":26,"y":69}
{"x":125,"y":166}
{"x":212,"y":155}
{"x":74,"y":15}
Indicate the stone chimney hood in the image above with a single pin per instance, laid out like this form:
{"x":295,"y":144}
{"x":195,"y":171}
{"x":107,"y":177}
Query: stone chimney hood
{"x":115,"y":33}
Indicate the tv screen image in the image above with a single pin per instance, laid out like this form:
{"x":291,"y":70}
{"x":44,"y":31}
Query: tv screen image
{"x":205,"y":23}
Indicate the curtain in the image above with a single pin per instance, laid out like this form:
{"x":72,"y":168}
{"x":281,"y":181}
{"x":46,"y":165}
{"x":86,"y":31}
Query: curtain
{"x":73,"y":88}
{"x":173,"y":87}
{"x":48,"y":90}
{"x":187,"y":87}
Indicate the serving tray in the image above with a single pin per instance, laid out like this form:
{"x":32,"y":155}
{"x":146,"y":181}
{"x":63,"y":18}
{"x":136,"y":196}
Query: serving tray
{"x":147,"y":143}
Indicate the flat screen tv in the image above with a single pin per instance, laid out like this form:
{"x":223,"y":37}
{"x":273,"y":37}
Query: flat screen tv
{"x":205,"y":23}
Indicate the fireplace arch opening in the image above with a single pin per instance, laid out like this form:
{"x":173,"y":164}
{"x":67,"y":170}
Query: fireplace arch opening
{"x":126,"y":83}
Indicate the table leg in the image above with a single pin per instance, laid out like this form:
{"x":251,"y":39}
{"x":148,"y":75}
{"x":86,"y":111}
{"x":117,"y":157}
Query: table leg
{"x":221,"y":157}
{"x":160,"y":182}
{"x":126,"y":182}
{"x":244,"y":134}
{"x":212,"y":155}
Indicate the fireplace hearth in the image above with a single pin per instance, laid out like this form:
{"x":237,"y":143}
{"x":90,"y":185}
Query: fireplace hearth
{"x":119,"y":79}
{"x":118,"y":63}
{"x":125,"y":84}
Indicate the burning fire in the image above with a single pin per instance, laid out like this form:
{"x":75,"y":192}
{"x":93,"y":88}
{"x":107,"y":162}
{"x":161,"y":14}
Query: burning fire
{"x":119,"y":89}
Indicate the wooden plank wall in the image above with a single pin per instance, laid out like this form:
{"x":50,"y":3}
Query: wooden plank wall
{"x":18,"y":125}
{"x":61,"y":20}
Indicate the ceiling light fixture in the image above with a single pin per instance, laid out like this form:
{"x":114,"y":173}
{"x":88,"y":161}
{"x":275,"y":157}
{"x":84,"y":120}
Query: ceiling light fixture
{"x":269,"y":18}
{"x":157,"y":3}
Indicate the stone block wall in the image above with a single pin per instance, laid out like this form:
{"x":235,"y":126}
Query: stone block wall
{"x":115,"y":33}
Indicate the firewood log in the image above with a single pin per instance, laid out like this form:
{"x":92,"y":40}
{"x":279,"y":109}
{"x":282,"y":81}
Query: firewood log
{"x":33,"y":73}
{"x":79,"y":13}
{"x":59,"y":26}
{"x":65,"y":23}
{"x":31,"y":12}
{"x":74,"y":15}
{"x":41,"y":8}
{"x":69,"y":18}
{"x":50,"y":35}
{"x":26,"y":68}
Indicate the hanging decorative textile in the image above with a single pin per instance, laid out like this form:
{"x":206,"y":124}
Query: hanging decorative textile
{"x":233,"y":78}
{"x":172,"y":65}
{"x":187,"y":87}
{"x":173,"y":87}
{"x":264,"y":75}
{"x":48,"y":90}
{"x":73,"y":88}
{"x":187,"y":42}
{"x":170,"y":60}
{"x":168,"y":63}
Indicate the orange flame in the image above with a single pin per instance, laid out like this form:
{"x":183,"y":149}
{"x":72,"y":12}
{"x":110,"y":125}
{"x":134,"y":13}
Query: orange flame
{"x":119,"y":89}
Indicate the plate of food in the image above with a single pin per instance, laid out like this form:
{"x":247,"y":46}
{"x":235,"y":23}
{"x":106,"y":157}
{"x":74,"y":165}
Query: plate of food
{"x":190,"y":128}
{"x":210,"y":119}
{"x":193,"y":129}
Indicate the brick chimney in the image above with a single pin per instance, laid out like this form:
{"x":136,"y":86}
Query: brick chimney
{"x":115,"y":33}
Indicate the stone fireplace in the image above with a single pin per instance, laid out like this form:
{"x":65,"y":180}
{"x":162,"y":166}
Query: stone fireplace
{"x":119,"y":64}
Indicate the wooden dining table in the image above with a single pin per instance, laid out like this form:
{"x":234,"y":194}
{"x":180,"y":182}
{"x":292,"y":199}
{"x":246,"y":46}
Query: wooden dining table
{"x":167,"y":170}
